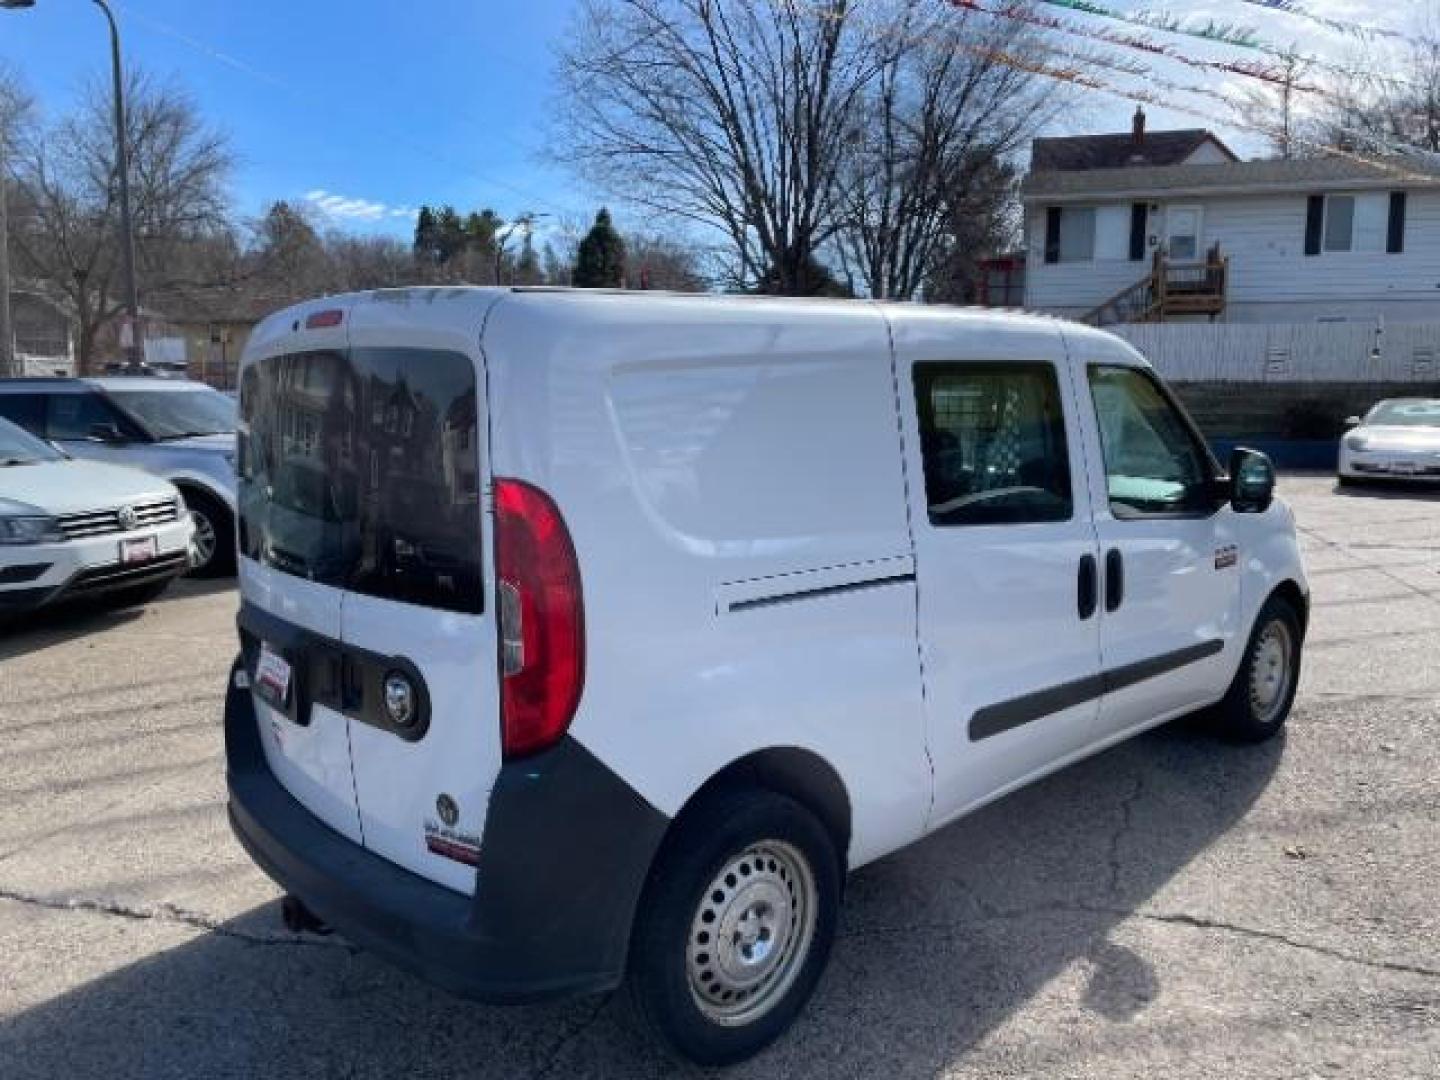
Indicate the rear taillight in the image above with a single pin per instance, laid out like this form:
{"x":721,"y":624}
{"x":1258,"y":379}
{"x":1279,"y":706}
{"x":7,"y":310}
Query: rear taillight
{"x":541,"y":618}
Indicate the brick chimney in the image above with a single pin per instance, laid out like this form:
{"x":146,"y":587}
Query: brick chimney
{"x":1137,"y":132}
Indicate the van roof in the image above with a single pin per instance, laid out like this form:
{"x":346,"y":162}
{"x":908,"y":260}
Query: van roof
{"x":892,"y":308}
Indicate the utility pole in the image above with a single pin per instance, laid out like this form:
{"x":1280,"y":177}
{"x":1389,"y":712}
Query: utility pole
{"x":135,"y":351}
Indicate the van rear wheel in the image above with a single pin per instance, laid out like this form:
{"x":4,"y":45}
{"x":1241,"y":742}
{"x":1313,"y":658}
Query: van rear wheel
{"x":1259,"y":700}
{"x":735,"y":926}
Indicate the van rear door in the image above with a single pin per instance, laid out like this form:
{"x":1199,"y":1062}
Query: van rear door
{"x":416,"y":614}
{"x":291,"y":567}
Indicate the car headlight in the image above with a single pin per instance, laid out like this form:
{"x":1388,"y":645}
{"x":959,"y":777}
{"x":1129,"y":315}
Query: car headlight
{"x":1357,"y":442}
{"x":29,"y":530}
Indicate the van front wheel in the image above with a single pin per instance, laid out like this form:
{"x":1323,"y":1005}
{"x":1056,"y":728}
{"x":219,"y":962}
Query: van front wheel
{"x":735,"y":926}
{"x":1259,"y":700}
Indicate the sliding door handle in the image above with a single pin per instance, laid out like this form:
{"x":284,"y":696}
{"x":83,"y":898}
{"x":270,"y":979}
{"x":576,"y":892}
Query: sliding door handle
{"x":1088,"y":590}
{"x":1114,"y":579}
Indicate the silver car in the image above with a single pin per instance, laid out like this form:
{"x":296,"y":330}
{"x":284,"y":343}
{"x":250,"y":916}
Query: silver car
{"x":181,"y":430}
{"x":1399,"y":439}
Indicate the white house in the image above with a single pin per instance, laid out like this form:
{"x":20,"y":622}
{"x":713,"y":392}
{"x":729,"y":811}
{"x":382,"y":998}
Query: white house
{"x":43,"y":340}
{"x":1130,"y":228}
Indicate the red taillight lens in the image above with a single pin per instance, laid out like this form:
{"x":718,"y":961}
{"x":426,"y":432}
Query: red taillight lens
{"x":541,"y":617}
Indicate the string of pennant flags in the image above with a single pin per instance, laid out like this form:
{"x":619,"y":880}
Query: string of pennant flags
{"x":1074,"y":73}
{"x":1274,"y":74}
{"x":1220,"y":33}
{"x":1136,"y":70}
{"x":1347,"y":27}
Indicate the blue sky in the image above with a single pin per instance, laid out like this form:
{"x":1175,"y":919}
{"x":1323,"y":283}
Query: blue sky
{"x":371,"y":108}
{"x":383,"y":105}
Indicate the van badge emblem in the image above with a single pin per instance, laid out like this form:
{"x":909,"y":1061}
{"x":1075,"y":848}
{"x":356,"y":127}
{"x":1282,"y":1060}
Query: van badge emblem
{"x":448,"y":810}
{"x":1227,"y":556}
{"x":128,"y":518}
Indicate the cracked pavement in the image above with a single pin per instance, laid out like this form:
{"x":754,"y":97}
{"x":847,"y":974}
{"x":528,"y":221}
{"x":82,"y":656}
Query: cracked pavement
{"x":1174,"y":907}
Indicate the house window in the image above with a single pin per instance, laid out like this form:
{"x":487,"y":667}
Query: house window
{"x":1339,"y":223}
{"x":1077,"y":234}
{"x":1069,"y":234}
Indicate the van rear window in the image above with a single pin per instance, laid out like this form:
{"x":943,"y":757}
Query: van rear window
{"x":361,"y":470}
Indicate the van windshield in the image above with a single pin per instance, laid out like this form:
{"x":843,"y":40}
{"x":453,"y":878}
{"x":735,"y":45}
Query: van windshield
{"x":361,"y":470}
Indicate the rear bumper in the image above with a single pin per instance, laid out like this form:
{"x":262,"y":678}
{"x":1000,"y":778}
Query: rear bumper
{"x":565,"y":854}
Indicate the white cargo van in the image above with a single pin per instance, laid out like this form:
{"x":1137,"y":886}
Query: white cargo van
{"x":595,"y":636}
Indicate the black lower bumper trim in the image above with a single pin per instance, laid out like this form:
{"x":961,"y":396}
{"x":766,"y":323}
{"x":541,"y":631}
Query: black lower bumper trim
{"x":565,"y":853}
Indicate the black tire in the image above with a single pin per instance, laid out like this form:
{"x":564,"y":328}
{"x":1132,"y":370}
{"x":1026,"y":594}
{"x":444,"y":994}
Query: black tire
{"x":732,"y":830}
{"x":138,"y":595}
{"x":1346,"y":481}
{"x":207,"y":509}
{"x":1249,"y":714}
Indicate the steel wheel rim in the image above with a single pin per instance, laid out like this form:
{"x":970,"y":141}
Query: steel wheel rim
{"x":205,"y":542}
{"x":1271,"y":671}
{"x":751,"y":934}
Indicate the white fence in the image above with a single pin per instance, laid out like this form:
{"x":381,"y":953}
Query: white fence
{"x":1285,"y":352}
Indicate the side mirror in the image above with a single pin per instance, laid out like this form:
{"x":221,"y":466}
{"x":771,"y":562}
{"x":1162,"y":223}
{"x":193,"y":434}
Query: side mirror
{"x":1353,"y":421}
{"x":106,"y":433}
{"x":1252,"y":481}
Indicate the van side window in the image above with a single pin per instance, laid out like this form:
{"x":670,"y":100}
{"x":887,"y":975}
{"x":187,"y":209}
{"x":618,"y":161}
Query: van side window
{"x":1154,"y":463}
{"x":992,"y":437}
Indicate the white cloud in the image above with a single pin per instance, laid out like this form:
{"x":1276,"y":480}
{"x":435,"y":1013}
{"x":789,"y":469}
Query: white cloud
{"x":351,"y":208}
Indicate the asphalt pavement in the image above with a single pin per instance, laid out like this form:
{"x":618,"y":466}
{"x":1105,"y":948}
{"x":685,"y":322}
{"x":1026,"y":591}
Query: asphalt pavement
{"x":1173,"y":908}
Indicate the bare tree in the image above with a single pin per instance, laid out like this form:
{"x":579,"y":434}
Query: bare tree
{"x":1392,"y":99}
{"x":1279,"y":107}
{"x":728,"y":114}
{"x":655,"y":261}
{"x":66,"y":217}
{"x":951,"y":99}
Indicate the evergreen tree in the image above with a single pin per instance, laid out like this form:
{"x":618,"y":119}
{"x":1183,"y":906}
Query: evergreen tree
{"x":449,"y":235}
{"x":425,"y":235}
{"x":600,"y":263}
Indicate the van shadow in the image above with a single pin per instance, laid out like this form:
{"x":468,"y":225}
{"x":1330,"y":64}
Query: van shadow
{"x":939,"y":945}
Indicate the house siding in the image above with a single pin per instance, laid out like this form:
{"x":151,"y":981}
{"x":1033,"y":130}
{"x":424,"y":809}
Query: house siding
{"x":1271,"y":277}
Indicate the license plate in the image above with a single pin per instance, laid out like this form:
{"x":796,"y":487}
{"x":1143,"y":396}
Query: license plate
{"x":138,"y":549}
{"x":272,"y":677}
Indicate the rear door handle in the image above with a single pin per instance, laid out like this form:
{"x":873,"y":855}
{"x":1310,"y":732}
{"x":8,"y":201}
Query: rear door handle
{"x":1088,"y":598}
{"x":1114,"y":579}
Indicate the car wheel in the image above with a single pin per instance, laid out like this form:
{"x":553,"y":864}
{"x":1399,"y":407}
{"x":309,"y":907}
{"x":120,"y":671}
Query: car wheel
{"x":1345,"y":481}
{"x":1259,"y":700}
{"x":735,"y":925}
{"x":214,"y":536}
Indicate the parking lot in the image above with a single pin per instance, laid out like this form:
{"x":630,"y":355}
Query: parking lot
{"x":1174,"y":908}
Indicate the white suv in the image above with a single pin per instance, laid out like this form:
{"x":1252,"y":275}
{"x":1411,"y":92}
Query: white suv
{"x":72,"y":529}
{"x":588,"y":637}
